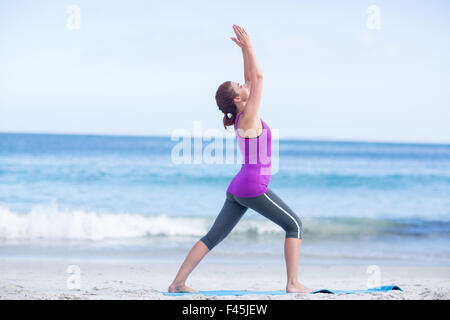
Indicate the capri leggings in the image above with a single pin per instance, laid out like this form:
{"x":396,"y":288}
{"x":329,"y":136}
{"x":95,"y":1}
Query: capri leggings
{"x":268,"y":204}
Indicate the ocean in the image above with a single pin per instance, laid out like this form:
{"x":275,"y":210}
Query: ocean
{"x":117,"y":198}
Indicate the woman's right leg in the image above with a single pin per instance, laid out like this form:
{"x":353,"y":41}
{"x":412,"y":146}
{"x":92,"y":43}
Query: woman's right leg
{"x":271,"y":206}
{"x":228,"y":217}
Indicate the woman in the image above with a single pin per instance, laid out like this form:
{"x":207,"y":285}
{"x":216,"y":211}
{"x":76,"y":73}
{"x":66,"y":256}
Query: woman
{"x":249,"y":188}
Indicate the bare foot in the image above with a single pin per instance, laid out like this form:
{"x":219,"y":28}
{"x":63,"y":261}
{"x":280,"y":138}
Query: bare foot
{"x":297,"y":287}
{"x":180,"y":288}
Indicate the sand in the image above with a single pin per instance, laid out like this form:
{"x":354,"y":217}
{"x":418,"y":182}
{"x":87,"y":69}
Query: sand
{"x":48,"y":279}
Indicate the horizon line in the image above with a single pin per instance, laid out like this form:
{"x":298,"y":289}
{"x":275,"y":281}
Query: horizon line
{"x":289,"y":138}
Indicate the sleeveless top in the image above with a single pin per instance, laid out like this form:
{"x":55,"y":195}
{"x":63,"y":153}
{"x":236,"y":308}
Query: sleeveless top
{"x":254,"y":177}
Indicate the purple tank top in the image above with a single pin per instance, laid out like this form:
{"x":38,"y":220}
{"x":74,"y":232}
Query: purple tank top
{"x":254,"y":177}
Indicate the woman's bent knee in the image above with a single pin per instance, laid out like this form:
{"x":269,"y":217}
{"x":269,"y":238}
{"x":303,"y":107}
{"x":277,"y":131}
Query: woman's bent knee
{"x":295,"y":230}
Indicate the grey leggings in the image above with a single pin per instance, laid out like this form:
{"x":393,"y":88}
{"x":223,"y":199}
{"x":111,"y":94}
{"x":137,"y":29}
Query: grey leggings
{"x":268,"y":204}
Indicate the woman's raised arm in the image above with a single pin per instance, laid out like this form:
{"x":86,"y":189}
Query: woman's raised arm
{"x":254,"y":73}
{"x":246,"y":66}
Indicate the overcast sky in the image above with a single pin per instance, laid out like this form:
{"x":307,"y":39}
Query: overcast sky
{"x":151,"y":67}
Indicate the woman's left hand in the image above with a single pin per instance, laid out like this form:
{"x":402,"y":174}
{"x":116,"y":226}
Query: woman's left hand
{"x":242,"y":40}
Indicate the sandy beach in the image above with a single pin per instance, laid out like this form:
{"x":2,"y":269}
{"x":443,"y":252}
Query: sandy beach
{"x":47,"y":279}
{"x":130,"y":131}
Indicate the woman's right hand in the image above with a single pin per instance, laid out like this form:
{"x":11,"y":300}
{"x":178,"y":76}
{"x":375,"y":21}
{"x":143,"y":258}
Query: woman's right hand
{"x":242,"y":40}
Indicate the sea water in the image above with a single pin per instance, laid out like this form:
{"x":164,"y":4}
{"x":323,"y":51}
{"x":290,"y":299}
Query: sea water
{"x":124,"y":197}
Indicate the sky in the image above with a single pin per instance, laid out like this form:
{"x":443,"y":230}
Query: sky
{"x":333,"y":70}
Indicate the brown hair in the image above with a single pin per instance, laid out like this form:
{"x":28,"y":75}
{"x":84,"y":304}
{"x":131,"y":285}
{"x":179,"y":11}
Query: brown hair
{"x":224,"y":99}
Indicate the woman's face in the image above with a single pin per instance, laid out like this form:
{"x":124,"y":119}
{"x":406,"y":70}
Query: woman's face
{"x":242,"y":90}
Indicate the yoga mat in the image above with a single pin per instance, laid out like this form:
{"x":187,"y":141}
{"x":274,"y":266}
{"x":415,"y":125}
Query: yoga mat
{"x":226,"y":293}
{"x":371,"y":290}
{"x":280,"y":292}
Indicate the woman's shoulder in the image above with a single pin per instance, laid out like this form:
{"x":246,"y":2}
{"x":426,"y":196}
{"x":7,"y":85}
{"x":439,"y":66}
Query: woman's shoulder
{"x":245,"y":123}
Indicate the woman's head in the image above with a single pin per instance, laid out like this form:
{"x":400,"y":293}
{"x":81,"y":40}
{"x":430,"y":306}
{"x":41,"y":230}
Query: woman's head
{"x":231,"y":98}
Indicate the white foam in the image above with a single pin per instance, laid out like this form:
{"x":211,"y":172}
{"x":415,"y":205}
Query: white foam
{"x":50,"y":222}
